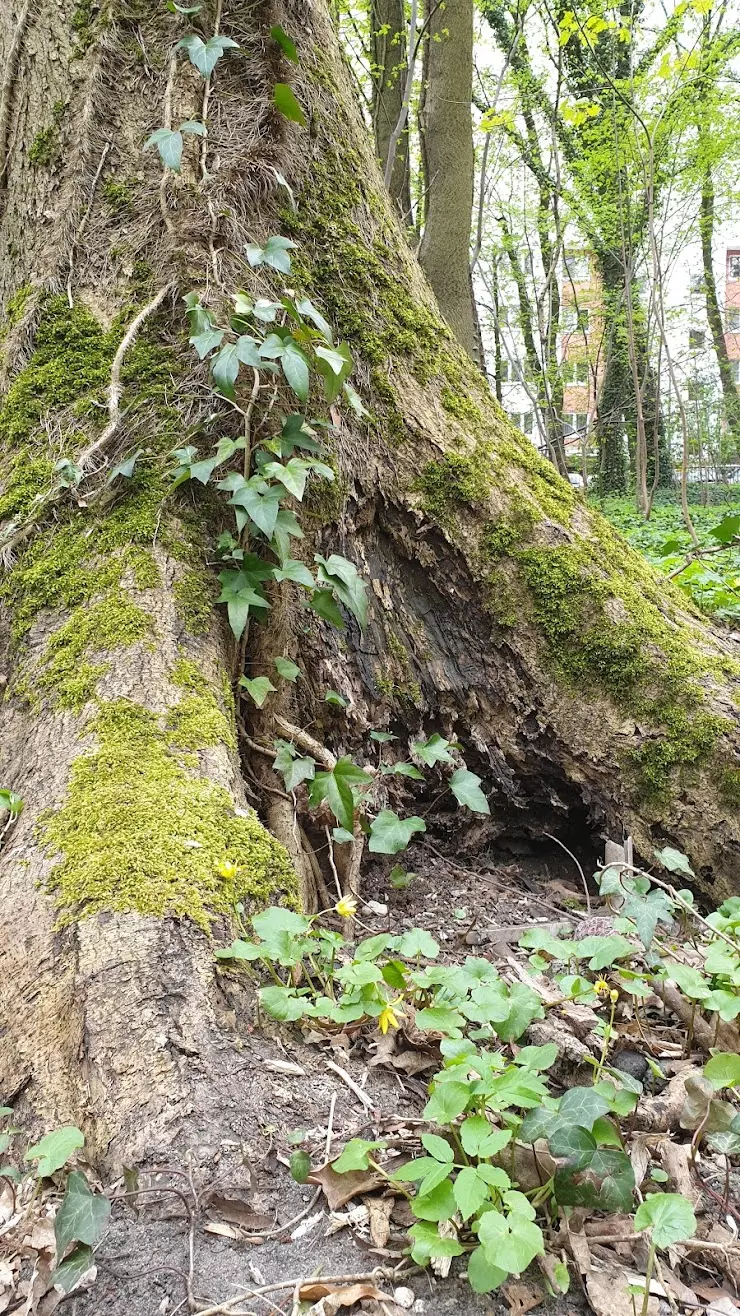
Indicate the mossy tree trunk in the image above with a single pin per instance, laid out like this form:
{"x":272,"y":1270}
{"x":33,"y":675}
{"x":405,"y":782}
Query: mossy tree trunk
{"x":504,"y":614}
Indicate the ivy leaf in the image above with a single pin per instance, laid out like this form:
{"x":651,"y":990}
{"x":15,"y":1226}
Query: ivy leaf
{"x":82,"y":1215}
{"x":125,"y":468}
{"x":169,"y":144}
{"x":206,"y":341}
{"x":355,"y":1156}
{"x":428,"y":1243}
{"x":332,"y":697}
{"x":54,"y":1150}
{"x":511,"y":1242}
{"x":286,"y":103}
{"x":194,"y":127}
{"x":262,"y":508}
{"x":343,"y":578}
{"x":402,"y":770}
{"x":73,"y":1268}
{"x":336,"y":788}
{"x":286,"y":44}
{"x":287,"y":669}
{"x":669,"y":1216}
{"x":204,"y":55}
{"x":582,"y":1106}
{"x":307,"y":309}
{"x":574,"y":1143}
{"x":258,"y":689}
{"x":224,"y":369}
{"x":483,"y":1276}
{"x":434,"y":750}
{"x":465,"y":786}
{"x":293,"y":770}
{"x":389,"y":834}
{"x":296,"y":369}
{"x":723,"y":1070}
{"x":275,"y":253}
{"x":674,"y":861}
{"x":298,"y":572}
{"x":382,"y":737}
{"x":323,"y":603}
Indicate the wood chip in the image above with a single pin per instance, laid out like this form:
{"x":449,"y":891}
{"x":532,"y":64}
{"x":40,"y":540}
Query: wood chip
{"x":380,"y":1218}
{"x":341,"y":1188}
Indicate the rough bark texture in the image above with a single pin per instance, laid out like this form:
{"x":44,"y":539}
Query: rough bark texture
{"x":504,"y":614}
{"x":450,"y":168}
{"x":389,"y":56}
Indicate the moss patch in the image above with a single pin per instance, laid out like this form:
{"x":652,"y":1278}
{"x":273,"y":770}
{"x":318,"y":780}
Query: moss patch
{"x":455,"y":480}
{"x":137,"y":832}
{"x":198,"y":720}
{"x":43,"y":148}
{"x":113,"y":623}
{"x":729,"y":787}
{"x":605,"y":635}
{"x":195,"y":596}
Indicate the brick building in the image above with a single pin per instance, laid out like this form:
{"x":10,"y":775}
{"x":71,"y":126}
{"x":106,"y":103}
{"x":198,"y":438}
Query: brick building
{"x":732,"y":308}
{"x":582,"y":328}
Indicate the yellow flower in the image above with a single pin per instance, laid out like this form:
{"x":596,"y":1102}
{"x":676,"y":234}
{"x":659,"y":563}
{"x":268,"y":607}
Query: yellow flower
{"x":601,"y":987}
{"x":613,"y":995}
{"x":388,"y":1018}
{"x":347,"y":907}
{"x":227,"y":870}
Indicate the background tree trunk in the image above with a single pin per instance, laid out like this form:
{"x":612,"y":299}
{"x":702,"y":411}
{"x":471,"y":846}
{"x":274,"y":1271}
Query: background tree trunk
{"x":389,"y":60}
{"x":505,"y":613}
{"x":449,"y":166}
{"x":730,"y":396}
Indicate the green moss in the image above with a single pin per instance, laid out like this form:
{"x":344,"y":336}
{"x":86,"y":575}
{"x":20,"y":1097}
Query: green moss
{"x":15,"y":307}
{"x":505,"y":535}
{"x":43,"y":148}
{"x":605,"y":635}
{"x":402,"y":686}
{"x":137,"y":832}
{"x":28,"y":476}
{"x":500,"y":599}
{"x":461,"y":406}
{"x":198,"y":721}
{"x":113,"y":623}
{"x":195,"y":596}
{"x":729,"y":787}
{"x":455,"y":480}
{"x":118,"y":196}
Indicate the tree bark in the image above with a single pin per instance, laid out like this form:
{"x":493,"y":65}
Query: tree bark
{"x":389,"y":56}
{"x":505,"y":613}
{"x":449,"y":164}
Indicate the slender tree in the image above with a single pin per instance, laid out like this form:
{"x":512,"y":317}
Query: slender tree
{"x":389,"y":61}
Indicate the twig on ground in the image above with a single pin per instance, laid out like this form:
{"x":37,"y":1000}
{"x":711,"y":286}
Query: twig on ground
{"x":578,"y":866}
{"x":380,"y":1272}
{"x":367,"y":1102}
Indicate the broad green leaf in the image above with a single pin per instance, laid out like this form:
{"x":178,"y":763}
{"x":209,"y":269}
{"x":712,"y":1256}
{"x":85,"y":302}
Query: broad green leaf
{"x":275,"y":924}
{"x":287,"y":104}
{"x":258,"y":689}
{"x":355,"y":1156}
{"x":439,"y":1204}
{"x":12,"y":802}
{"x":723,"y":1070}
{"x":401,"y":770}
{"x":287,"y":669}
{"x":390,"y":834}
{"x":538,"y":1123}
{"x":440,"y":1019}
{"x":126,"y":467}
{"x":574,"y":1143}
{"x":418,"y":942}
{"x":342,"y":836}
{"x":511,"y":1242}
{"x":479,"y":1138}
{"x":300,"y":1166}
{"x":438,"y":1147}
{"x":333,"y":697}
{"x":286,"y":44}
{"x":524,"y":1006}
{"x":262,"y":508}
{"x":342,"y":577}
{"x":169,"y":145}
{"x":81,"y":1216}
{"x":204,"y":55}
{"x":283,"y":1004}
{"x":274,"y":253}
{"x":382,"y":737}
{"x":296,"y":369}
{"x":674,"y":861}
{"x":582,"y":1106}
{"x":603,"y":951}
{"x":194,"y":127}
{"x":470,"y":1192}
{"x":336,"y":788}
{"x":434,"y":750}
{"x":538,"y":1057}
{"x":293,"y":475}
{"x":415,"y":1171}
{"x":692,"y":983}
{"x":483,"y":1276}
{"x":224,"y":369}
{"x":54,"y":1150}
{"x":240,"y":950}
{"x":323,"y":603}
{"x":669,"y":1216}
{"x":465,"y":786}
{"x":307,"y":309}
{"x":447,"y":1101}
{"x":73,"y":1268}
{"x":427,"y":1243}
{"x":298,"y":572}
{"x":726,"y":1004}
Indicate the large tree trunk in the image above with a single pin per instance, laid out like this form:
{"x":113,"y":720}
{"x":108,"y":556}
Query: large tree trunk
{"x":449,"y":167}
{"x":504,"y":612}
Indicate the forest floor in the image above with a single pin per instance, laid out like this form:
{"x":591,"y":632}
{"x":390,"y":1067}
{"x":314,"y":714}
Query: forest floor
{"x":240,"y":1221}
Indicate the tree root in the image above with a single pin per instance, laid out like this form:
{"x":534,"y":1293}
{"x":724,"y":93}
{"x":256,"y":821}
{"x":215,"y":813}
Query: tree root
{"x":6,"y":95}
{"x":725,"y":1036}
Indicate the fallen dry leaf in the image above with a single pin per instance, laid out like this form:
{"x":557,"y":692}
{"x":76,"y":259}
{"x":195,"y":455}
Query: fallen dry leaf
{"x":284,"y":1067}
{"x":331,"y":1297}
{"x":341,"y":1188}
{"x":606,"y":1290}
{"x":221,"y":1229}
{"x":522,"y":1297}
{"x":239,"y":1213}
{"x":380,"y":1219}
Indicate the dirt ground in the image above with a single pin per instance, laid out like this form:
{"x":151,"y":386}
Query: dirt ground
{"x":143,"y":1260}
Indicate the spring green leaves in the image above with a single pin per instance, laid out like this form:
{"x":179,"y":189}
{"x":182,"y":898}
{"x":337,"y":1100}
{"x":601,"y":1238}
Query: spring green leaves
{"x":54,"y":1150}
{"x":204,"y":55}
{"x":11,"y":803}
{"x":170,"y":143}
{"x":668,"y":1216}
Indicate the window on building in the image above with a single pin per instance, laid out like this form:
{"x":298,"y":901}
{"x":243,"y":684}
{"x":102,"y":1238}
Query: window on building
{"x":733,"y":267}
{"x":575,"y":318}
{"x":735,"y":367}
{"x":524,"y":420}
{"x":574,"y":422}
{"x":511,"y":371}
{"x":733,"y":319}
{"x":696,"y":338}
{"x":575,"y":372}
{"x":578,"y":267}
